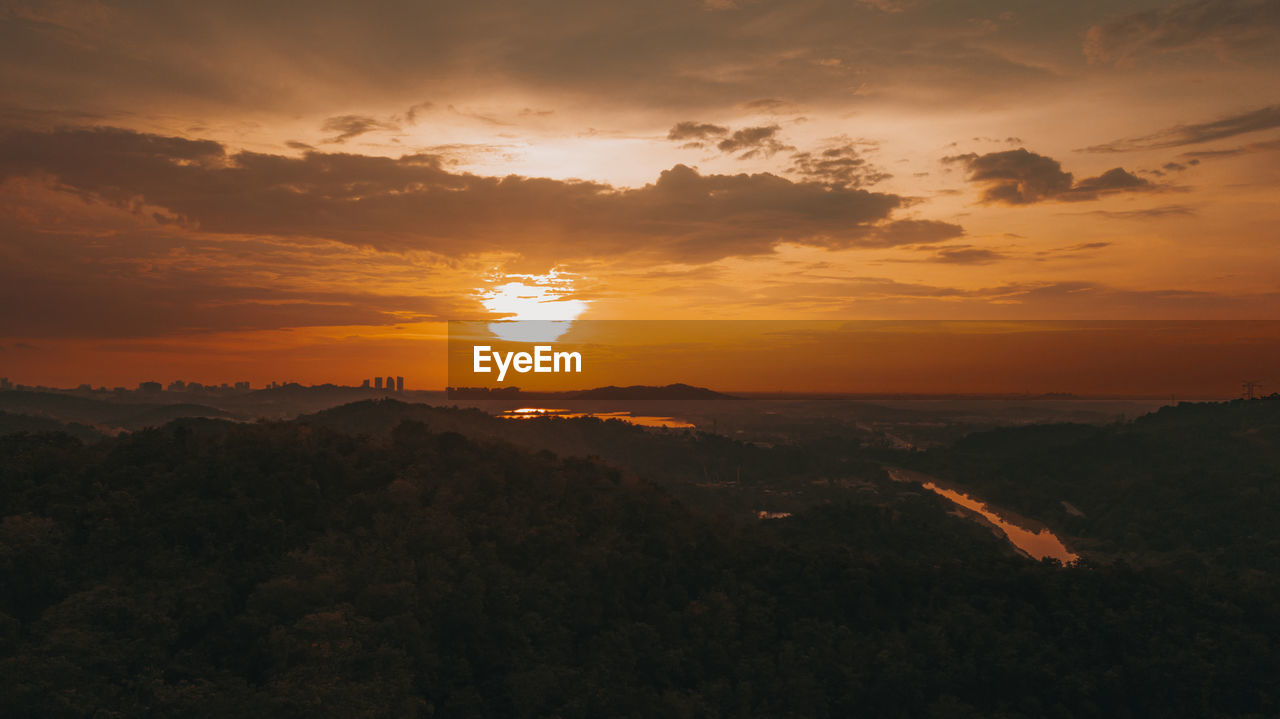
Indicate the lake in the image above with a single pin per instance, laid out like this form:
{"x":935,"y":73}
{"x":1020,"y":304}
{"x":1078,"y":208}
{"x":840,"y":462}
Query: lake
{"x":641,"y":420}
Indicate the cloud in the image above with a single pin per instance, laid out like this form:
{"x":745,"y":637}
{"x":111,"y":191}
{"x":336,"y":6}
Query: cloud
{"x":747,"y":142}
{"x":967,"y":255}
{"x":1147,"y":213}
{"x":696,"y":131}
{"x":1265,"y":118}
{"x":1068,"y":299}
{"x":1021,"y":177}
{"x":347,"y":127}
{"x":1224,"y":26}
{"x":414,"y":203}
{"x":841,"y":165}
{"x":696,"y":134}
{"x":959,"y":255}
{"x":137,"y":289}
{"x":1193,"y":157}
{"x":887,"y":6}
{"x":414,"y":111}
{"x":1114,"y":180}
{"x":975,"y":255}
{"x":1081,"y":249}
{"x":155,"y":58}
{"x":754,"y":142}
{"x":767,"y":104}
{"x":764,"y":142}
{"x":917,"y":232}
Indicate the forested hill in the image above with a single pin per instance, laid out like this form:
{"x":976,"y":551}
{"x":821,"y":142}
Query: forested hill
{"x":708,"y":470}
{"x":207,"y":569}
{"x":1196,"y":484}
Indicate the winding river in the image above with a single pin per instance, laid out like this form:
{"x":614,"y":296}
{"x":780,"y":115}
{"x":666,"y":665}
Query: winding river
{"x":1032,"y":538}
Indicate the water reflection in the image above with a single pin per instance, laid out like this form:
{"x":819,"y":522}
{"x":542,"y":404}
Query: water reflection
{"x":1036,"y":540}
{"x":640,"y":420}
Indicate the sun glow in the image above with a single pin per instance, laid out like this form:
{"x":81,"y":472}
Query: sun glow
{"x":534,"y":308}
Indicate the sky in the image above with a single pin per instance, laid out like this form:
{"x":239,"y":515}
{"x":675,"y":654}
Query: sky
{"x":247,"y":191}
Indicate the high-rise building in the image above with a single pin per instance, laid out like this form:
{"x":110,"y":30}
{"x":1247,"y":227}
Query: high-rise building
{"x":400,"y":384}
{"x":365,"y":385}
{"x":377,"y":383}
{"x":391,"y":383}
{"x":5,"y":383}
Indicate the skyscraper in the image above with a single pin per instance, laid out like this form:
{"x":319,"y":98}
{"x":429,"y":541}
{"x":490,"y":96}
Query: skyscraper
{"x":391,"y":383}
{"x":377,"y":383}
{"x":399,"y":384}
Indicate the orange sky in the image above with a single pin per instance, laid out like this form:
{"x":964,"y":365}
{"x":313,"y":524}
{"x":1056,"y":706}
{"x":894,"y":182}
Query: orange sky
{"x":229,"y":191}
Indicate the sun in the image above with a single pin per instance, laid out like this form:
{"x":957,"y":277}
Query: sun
{"x":534,"y":308}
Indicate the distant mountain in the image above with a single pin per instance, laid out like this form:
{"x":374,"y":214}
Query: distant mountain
{"x":671,"y":391}
{"x":163,"y":414}
{"x":14,"y":423}
{"x":101,"y":414}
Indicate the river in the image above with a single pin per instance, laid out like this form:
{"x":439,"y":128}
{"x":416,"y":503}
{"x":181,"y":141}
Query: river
{"x":1032,"y":538}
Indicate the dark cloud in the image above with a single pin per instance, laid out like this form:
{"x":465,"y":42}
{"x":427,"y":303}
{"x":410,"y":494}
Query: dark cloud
{"x":413,"y":202}
{"x":345,"y":127}
{"x":1225,"y":26}
{"x":696,"y":134}
{"x":152,"y":57}
{"x":1114,"y":180}
{"x":921,"y":232}
{"x":746,"y":143}
{"x":841,"y":165}
{"x":1016,"y":177}
{"x":1147,"y":213}
{"x":482,"y":117}
{"x":1196,"y":156}
{"x":1081,"y":249}
{"x":135,"y":294}
{"x":966,"y":255}
{"x":414,"y":111}
{"x":959,"y":255}
{"x":1169,"y":167}
{"x":767,"y":104}
{"x":1021,"y":177}
{"x":296,"y":145}
{"x":1265,"y":118}
{"x":696,"y":131}
{"x":754,"y":142}
{"x":888,"y":6}
{"x":1014,"y":300}
{"x":975,"y":255}
{"x":1193,"y":157}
